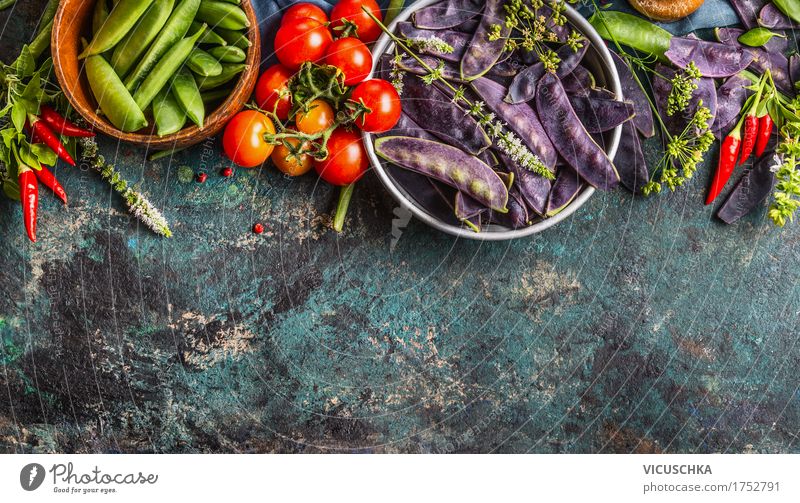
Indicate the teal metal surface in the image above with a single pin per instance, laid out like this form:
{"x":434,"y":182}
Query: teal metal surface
{"x":638,"y":325}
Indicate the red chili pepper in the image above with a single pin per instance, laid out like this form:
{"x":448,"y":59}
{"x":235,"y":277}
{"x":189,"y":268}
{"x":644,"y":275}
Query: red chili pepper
{"x":61,"y":125}
{"x":750,"y":135}
{"x":727,"y":161}
{"x":29,"y":193}
{"x":49,"y":180}
{"x":39,"y":129}
{"x":765,"y":126}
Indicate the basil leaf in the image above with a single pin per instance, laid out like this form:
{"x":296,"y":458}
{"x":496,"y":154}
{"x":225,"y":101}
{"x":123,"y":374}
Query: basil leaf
{"x":757,"y":37}
{"x":11,"y":188}
{"x":25,"y":64}
{"x":44,"y":154}
{"x":18,"y":116}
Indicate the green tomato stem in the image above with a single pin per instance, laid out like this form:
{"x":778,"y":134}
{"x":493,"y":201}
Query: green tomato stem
{"x":345,"y":194}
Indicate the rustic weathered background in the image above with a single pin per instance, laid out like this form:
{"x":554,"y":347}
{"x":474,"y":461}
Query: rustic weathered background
{"x":638,"y":325}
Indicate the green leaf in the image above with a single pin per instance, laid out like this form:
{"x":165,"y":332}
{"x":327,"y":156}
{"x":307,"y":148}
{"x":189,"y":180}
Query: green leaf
{"x":757,"y":37}
{"x":26,"y":155}
{"x":25,"y":64}
{"x":18,"y":116}
{"x":44,"y":154}
{"x":11,"y":189}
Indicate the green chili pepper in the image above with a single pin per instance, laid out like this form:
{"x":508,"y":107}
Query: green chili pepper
{"x":209,"y":36}
{"x":115,"y":101}
{"x":222,"y":15}
{"x":99,"y":15}
{"x":789,"y":7}
{"x":757,"y":37}
{"x":120,"y":21}
{"x":41,"y":42}
{"x":168,"y":114}
{"x":229,"y":71}
{"x":203,"y":64}
{"x":633,"y":31}
{"x":184,"y":88}
{"x":176,"y":28}
{"x":127,"y":52}
{"x":228,"y":54}
{"x":234,"y":37}
{"x":164,"y":70}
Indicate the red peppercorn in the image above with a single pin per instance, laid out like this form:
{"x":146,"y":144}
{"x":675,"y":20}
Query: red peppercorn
{"x":227,"y":172}
{"x":258,"y":228}
{"x":202,"y":177}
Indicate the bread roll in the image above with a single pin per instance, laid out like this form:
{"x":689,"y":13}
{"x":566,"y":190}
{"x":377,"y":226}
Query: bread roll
{"x":666,"y":10}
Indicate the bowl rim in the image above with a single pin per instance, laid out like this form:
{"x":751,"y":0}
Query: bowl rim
{"x":384,"y":43}
{"x":189,"y":132}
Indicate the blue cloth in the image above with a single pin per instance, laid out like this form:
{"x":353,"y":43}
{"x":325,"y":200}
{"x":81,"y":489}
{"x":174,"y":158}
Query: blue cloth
{"x":712,"y":14}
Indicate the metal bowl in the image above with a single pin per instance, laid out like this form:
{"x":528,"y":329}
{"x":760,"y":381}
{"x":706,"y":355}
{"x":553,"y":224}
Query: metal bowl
{"x":599,"y":61}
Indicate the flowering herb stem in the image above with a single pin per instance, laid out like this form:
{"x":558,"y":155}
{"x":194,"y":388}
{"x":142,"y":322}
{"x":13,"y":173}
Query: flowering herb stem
{"x":504,"y":139}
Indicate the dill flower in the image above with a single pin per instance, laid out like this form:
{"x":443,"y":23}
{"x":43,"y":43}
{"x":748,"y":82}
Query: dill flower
{"x":430,"y":44}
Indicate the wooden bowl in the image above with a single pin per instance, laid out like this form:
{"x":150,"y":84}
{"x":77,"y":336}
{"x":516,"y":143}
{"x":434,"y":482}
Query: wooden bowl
{"x":73,"y":20}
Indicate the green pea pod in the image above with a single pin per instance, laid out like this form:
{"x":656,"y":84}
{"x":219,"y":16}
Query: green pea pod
{"x":168,"y":114}
{"x":203,"y":64}
{"x":237,"y":2}
{"x":176,"y":28}
{"x":211,"y":97}
{"x":209,"y":36}
{"x":114,"y":99}
{"x":222,"y":15}
{"x":789,"y":7}
{"x":633,"y":31}
{"x":127,"y":52}
{"x":229,"y":72}
{"x":170,"y":63}
{"x":184,"y":88}
{"x":234,"y":37}
{"x":120,"y":21}
{"x":99,"y":15}
{"x":41,"y":41}
{"x":228,"y":54}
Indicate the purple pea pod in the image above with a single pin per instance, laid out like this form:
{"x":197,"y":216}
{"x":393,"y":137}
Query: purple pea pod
{"x":521,"y":119}
{"x":482,"y":54}
{"x":427,"y":105}
{"x":422,"y":190}
{"x":468,"y":26}
{"x":748,"y":11}
{"x":533,"y":188}
{"x":630,"y":161}
{"x":643,"y":118}
{"x":456,"y":39}
{"x":771,"y":17}
{"x":731,"y":96}
{"x":777,"y":64}
{"x":446,"y":164}
{"x":750,"y":191}
{"x":517,"y":215}
{"x":579,"y":83}
{"x":446,"y":14}
{"x":567,"y":186}
{"x":705,"y":92}
{"x":465,"y":207}
{"x":794,"y":68}
{"x":523,"y":87}
{"x":713,"y":59}
{"x":599,"y":115}
{"x":570,"y":137}
{"x":730,"y":36}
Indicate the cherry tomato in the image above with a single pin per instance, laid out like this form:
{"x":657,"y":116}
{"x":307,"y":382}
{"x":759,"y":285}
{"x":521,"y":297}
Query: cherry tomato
{"x":352,"y":57}
{"x":300,"y":41}
{"x":272,"y":92}
{"x":320,"y":116}
{"x":380,"y":97}
{"x":302,"y":10}
{"x":368,"y":30}
{"x":347,"y":160}
{"x":243,"y":140}
{"x":288,"y":163}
